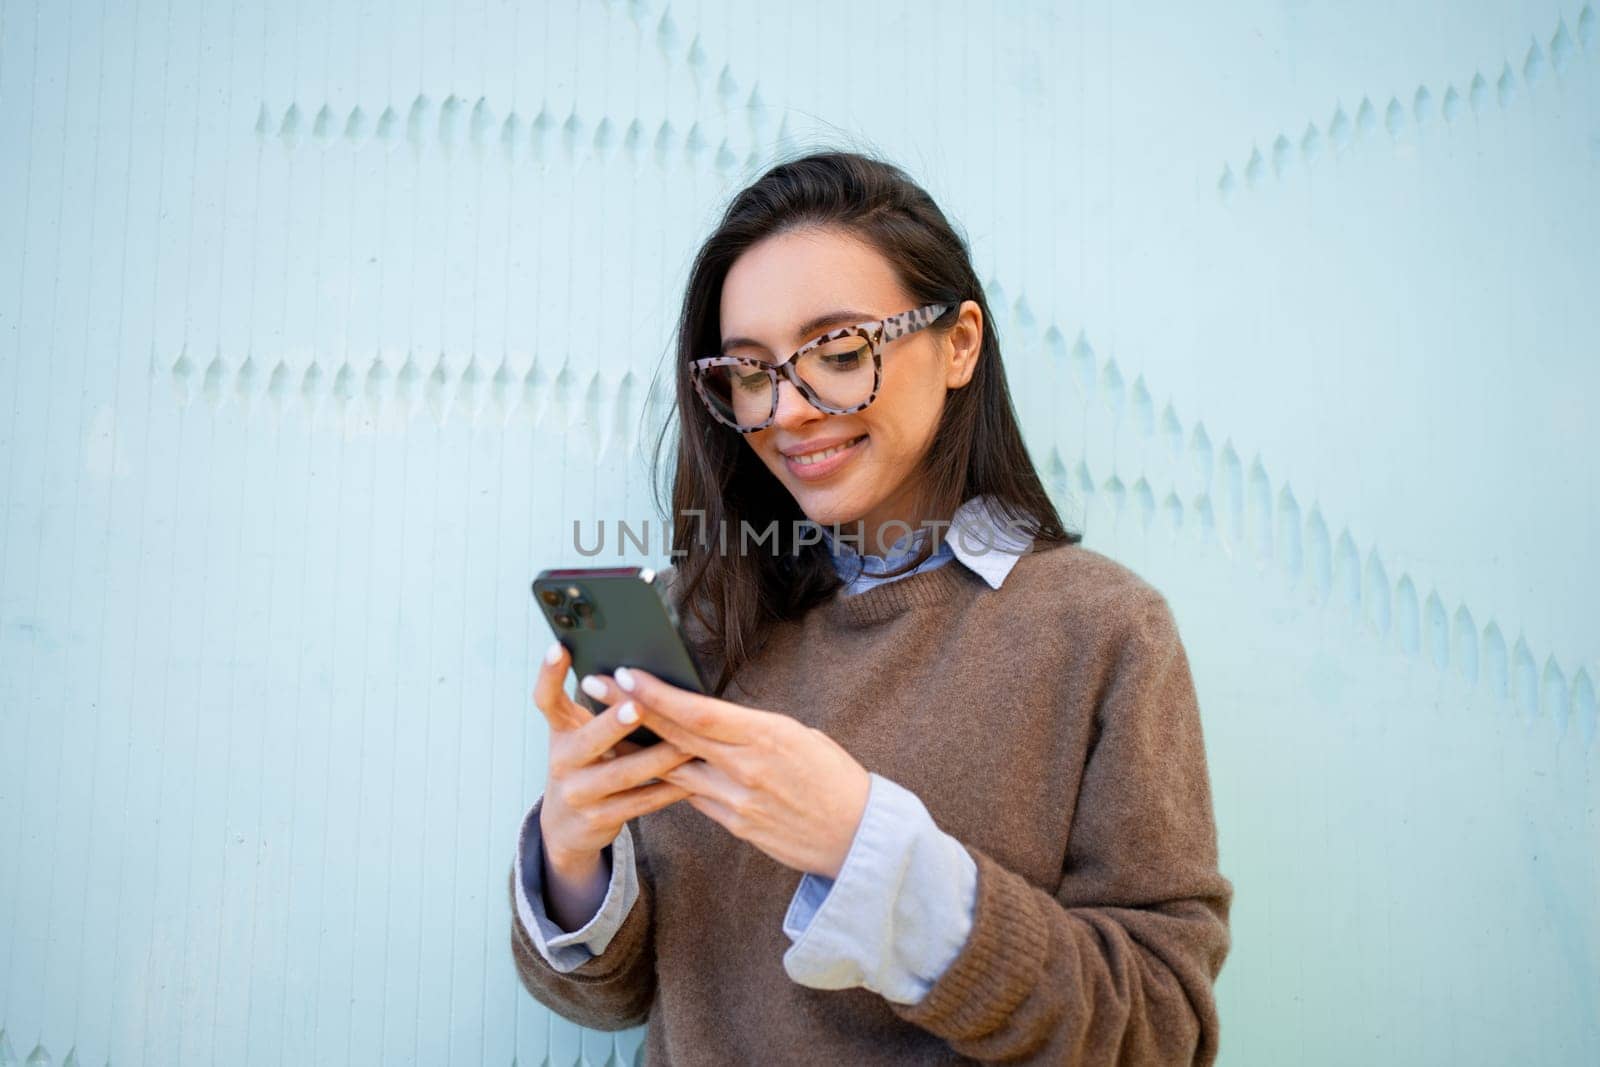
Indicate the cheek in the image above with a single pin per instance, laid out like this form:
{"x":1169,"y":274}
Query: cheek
{"x":905,"y":419}
{"x":761,"y":444}
{"x":914,"y":389}
{"x":898,"y":433}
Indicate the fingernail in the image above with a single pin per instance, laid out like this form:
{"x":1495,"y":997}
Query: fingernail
{"x":593,"y":686}
{"x":624,"y":678}
{"x":628,"y":713}
{"x":552,"y":653}
{"x":609,"y":753}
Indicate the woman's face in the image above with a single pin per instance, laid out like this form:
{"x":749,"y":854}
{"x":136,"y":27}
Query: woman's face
{"x":791,"y":287}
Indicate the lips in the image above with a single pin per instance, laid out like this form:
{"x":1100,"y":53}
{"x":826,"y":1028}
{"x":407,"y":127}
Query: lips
{"x":810,"y":463}
{"x":813,"y":455}
{"x":811,"y":448}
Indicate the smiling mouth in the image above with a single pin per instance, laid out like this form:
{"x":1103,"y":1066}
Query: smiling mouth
{"x":827,"y":453}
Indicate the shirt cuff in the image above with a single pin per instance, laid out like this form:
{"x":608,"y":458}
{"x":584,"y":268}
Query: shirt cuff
{"x":899,"y":911}
{"x":568,"y":950}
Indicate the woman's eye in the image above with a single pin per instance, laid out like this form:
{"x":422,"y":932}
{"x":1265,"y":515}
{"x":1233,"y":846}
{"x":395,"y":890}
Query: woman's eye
{"x":751,"y":382}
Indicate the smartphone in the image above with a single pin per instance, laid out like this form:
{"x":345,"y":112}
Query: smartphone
{"x":610,"y":617}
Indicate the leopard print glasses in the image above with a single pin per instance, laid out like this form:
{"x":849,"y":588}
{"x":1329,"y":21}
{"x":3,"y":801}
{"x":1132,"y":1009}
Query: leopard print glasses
{"x":839,"y":372}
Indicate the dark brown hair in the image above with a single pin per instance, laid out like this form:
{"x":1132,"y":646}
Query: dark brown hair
{"x":736,"y":596}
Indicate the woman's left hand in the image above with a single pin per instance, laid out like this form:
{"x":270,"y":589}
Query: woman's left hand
{"x":787,"y":788}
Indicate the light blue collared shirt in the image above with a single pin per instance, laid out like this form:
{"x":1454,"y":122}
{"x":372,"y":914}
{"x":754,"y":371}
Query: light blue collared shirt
{"x":978,"y":536}
{"x":902,"y":906}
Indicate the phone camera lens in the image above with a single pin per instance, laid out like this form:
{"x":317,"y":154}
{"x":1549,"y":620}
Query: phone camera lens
{"x":564,"y":620}
{"x":551,"y":597}
{"x":583,"y":608}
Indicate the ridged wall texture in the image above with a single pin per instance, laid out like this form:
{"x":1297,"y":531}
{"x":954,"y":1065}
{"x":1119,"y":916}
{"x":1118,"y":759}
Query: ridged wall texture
{"x":321,"y":325}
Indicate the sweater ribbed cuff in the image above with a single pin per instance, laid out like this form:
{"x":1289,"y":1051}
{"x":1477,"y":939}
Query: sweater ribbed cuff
{"x":1000,"y":964}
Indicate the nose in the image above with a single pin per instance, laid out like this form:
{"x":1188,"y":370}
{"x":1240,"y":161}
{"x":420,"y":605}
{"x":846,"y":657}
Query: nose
{"x":793,"y":408}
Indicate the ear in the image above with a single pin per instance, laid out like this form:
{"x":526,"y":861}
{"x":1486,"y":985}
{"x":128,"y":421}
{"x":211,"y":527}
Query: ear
{"x":965,"y":341}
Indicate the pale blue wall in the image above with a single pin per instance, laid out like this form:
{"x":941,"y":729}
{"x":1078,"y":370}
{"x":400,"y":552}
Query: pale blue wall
{"x":309,"y":321}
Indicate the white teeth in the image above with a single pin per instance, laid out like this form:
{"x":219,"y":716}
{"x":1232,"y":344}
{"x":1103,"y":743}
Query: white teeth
{"x":814,"y":457}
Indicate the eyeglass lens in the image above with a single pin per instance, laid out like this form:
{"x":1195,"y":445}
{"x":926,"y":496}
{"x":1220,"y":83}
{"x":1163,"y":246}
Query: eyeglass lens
{"x":839,"y":372}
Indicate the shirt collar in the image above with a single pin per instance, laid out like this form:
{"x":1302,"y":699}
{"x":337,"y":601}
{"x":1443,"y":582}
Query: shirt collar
{"x":977,"y":536}
{"x":981,"y":539}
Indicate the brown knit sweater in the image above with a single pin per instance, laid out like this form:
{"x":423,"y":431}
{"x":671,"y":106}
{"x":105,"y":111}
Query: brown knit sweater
{"x":1051,"y":725}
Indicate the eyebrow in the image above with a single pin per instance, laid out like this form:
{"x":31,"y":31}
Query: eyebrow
{"x":810,"y":327}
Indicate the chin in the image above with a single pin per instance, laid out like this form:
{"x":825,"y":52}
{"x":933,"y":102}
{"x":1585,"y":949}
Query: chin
{"x":826,"y":506}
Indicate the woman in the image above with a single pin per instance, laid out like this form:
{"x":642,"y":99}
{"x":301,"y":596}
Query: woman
{"x":949,"y":801}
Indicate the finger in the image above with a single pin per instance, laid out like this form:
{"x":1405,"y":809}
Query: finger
{"x":704,"y":780}
{"x":602,"y":689}
{"x":622,"y":748}
{"x":593,"y":786}
{"x":550,"y":694}
{"x":641,"y":801}
{"x":720,"y":720}
{"x":606,"y":730}
{"x":706,"y":748}
{"x":713,"y":810}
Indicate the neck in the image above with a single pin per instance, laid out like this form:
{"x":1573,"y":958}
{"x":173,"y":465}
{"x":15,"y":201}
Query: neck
{"x":891,"y":520}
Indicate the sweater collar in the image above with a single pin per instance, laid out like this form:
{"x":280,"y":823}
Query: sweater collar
{"x":931,"y":588}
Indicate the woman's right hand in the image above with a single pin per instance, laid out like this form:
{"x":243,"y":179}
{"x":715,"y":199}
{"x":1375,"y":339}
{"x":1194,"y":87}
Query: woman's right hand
{"x":596,"y":780}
